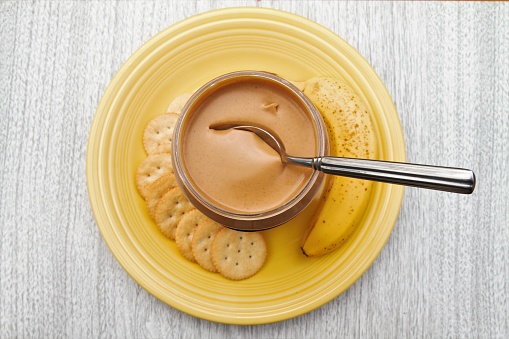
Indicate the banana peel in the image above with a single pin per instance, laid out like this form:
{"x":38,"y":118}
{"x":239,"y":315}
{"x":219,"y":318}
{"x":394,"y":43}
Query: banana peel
{"x":351,"y":134}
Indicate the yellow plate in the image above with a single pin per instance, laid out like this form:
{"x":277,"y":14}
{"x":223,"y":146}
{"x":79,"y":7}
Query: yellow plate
{"x":180,"y":59}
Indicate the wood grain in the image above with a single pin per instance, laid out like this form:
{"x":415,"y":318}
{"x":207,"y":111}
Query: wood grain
{"x":443,"y":273}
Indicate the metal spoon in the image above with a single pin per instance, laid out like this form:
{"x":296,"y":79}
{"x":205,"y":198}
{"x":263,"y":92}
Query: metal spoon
{"x":448,"y":179}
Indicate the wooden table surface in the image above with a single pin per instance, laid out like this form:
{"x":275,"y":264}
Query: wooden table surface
{"x":444,"y":271}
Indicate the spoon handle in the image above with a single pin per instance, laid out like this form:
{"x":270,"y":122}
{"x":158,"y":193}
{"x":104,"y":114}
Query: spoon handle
{"x":448,"y":179}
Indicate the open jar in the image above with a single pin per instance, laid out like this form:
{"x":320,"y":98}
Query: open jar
{"x":232,"y":176}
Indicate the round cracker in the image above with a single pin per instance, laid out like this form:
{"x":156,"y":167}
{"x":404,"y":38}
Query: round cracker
{"x":178,"y":103}
{"x":238,"y":255}
{"x":169,"y":211}
{"x":202,"y":243}
{"x":152,"y":168}
{"x":299,"y":84}
{"x":157,"y":189}
{"x":158,"y":134}
{"x":185,"y":232}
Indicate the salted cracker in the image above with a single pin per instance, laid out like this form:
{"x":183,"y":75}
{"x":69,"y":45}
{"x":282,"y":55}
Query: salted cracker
{"x":185,"y":232}
{"x":202,"y":243}
{"x":238,"y":255}
{"x":299,"y":84}
{"x":178,"y":103}
{"x":150,"y":169}
{"x":169,"y":211}
{"x":157,"y":189}
{"x":158,"y":134}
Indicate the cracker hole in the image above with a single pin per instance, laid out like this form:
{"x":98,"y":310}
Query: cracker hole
{"x":205,"y":249}
{"x":157,"y":132}
{"x":236,"y":264}
{"x":238,"y":251}
{"x":252,"y":243}
{"x":227,"y":245}
{"x":225,"y":258}
{"x":250,"y":256}
{"x":240,"y":237}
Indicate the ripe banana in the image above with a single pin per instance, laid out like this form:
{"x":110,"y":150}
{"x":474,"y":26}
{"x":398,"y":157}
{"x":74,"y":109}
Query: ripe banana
{"x":351,"y":134}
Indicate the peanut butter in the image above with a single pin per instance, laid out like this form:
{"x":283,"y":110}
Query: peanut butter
{"x":235,"y":169}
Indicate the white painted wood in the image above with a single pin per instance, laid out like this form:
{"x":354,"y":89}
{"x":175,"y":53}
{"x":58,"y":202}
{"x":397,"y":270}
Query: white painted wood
{"x":443,"y":273}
